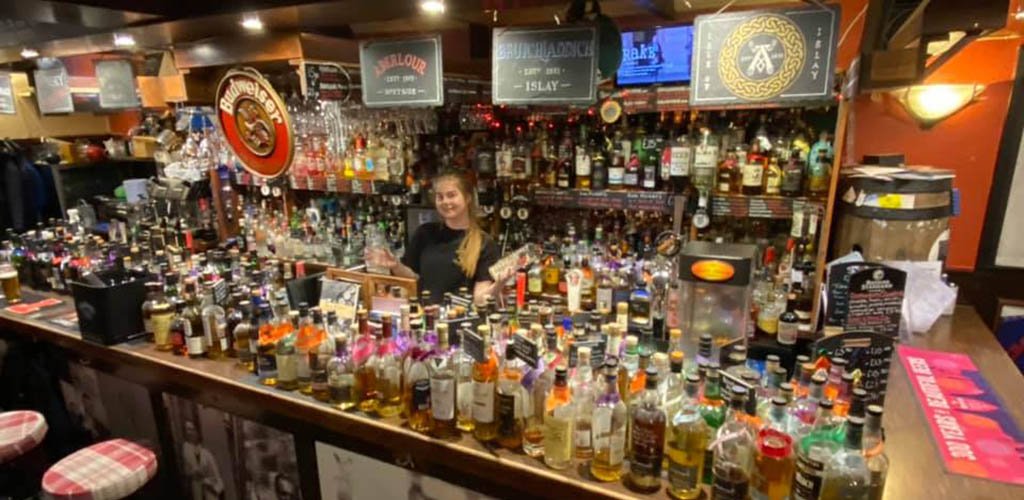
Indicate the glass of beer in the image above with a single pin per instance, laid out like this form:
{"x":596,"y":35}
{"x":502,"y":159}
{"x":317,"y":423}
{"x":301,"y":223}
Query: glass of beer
{"x":10,"y":284}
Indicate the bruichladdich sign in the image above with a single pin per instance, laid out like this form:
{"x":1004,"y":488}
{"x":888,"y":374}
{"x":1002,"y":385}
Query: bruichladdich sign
{"x":764,"y":56}
{"x":405,"y":72}
{"x":255,"y":123}
{"x":544,"y":65}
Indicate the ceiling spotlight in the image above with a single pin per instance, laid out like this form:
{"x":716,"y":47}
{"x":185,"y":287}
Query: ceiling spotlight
{"x":252,"y":22}
{"x":432,"y":6}
{"x":123,"y":40}
{"x":28,"y":53}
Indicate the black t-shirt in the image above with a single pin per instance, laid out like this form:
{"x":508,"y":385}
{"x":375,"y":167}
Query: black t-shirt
{"x":431,"y":254}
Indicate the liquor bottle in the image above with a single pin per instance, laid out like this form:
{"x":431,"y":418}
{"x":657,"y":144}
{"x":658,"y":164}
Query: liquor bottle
{"x":552,"y":274}
{"x":319,"y":358}
{"x":266,"y":354}
{"x":582,"y":390}
{"x":443,"y":386}
{"x":510,"y":394}
{"x":713,"y":410}
{"x":814,"y":451}
{"x":341,"y":376}
{"x":837,"y":368}
{"x":846,"y":474}
{"x":634,"y":163}
{"x":705,"y":160}
{"x":364,"y":356}
{"x":608,"y":428}
{"x":774,"y":465}
{"x":583,"y":161}
{"x":485,"y":376}
{"x":463,"y":389}
{"x":844,"y":396}
{"x":788,"y":324}
{"x":640,"y":304}
{"x":617,"y":161}
{"x":728,"y":172}
{"x":777,"y":416}
{"x":535,"y":281}
{"x":647,"y":424}
{"x":160,"y":315}
{"x":152,"y":289}
{"x":674,"y":382}
{"x":629,"y":367}
{"x":680,"y":154}
{"x":650,"y":178}
{"x":389,"y":376}
{"x":793,"y":176}
{"x":287,"y":363}
{"x":179,"y":329}
{"x":598,"y":164}
{"x":773,"y":177}
{"x":195,"y":338}
{"x":687,"y":444}
{"x":818,"y":170}
{"x":243,"y":333}
{"x":559,"y":420}
{"x":305,"y":341}
{"x":564,"y":177}
{"x":733,"y":452}
{"x":753,"y":171}
{"x":416,"y":385}
{"x":874,"y":452}
{"x":533,"y":432}
{"x":804,"y":412}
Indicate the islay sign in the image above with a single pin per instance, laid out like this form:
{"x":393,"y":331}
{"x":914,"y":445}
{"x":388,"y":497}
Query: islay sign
{"x":544,"y":65}
{"x":404,"y":72}
{"x":764,"y":56}
{"x":255,"y":122}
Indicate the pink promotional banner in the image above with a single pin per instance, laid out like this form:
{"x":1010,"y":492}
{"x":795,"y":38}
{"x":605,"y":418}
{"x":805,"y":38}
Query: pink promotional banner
{"x":975,"y":434}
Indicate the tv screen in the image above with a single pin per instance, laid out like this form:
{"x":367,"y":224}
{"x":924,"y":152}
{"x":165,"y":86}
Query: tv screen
{"x":660,"y":55}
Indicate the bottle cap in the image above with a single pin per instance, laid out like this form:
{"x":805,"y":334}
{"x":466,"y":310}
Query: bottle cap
{"x":779,"y":401}
{"x":773,"y":443}
{"x":660,"y":359}
{"x":827,"y":404}
{"x":772,"y":358}
{"x":801,"y":359}
{"x":875,"y":410}
{"x":693,"y":378}
{"x":677,"y":361}
{"x":675,"y":333}
{"x":818,"y":379}
{"x":652,"y":378}
{"x":837,"y":361}
{"x":622,"y":308}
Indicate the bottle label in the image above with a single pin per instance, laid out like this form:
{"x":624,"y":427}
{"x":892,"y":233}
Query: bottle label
{"x":683,"y":477}
{"x":266,"y":366}
{"x":604,"y":298}
{"x":442,"y":398}
{"x":535,"y":284}
{"x":582,"y":163}
{"x":506,"y":414}
{"x":649,"y":177}
{"x":287,"y":369}
{"x":808,"y":477}
{"x":772,"y":183}
{"x":631,"y":178}
{"x":601,"y":427}
{"x":679,"y":162}
{"x":616,"y":176}
{"x":303,"y":369}
{"x":726,"y":489}
{"x":753,"y":174}
{"x":196,"y":345}
{"x":483,"y":402}
{"x":788,"y":332}
{"x":421,"y":394}
{"x":465,"y":399}
{"x":647,"y":452}
{"x":582,"y":437}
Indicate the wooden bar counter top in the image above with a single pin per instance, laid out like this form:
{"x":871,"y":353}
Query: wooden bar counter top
{"x":916,"y":470}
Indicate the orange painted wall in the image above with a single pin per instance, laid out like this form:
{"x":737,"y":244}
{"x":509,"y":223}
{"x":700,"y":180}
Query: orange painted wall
{"x":967,"y":142}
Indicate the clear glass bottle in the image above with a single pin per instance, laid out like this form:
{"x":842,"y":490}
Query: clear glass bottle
{"x":687,"y":443}
{"x":195,"y":338}
{"x":485,"y":377}
{"x":640,"y":304}
{"x":388,"y":376}
{"x":160,"y":315}
{"x":675,"y":385}
{"x":152,"y":289}
{"x":443,"y":386}
{"x":733,"y":452}
{"x":804,"y":411}
{"x":713,"y":410}
{"x":773,"y":177}
{"x":538,"y":389}
{"x":464,"y":390}
{"x":266,"y":354}
{"x":582,"y":389}
{"x":705,"y":161}
{"x":774,"y":465}
{"x":319,"y":358}
{"x":559,"y":421}
{"x":777,"y":416}
{"x":364,"y":355}
{"x":416,"y":384}
{"x":846,"y":475}
{"x":341,"y":376}
{"x":179,"y":329}
{"x":608,"y":428}
{"x":814,"y":451}
{"x":510,"y":395}
{"x":647,"y":437}
{"x":243,"y":334}
{"x":874,"y":451}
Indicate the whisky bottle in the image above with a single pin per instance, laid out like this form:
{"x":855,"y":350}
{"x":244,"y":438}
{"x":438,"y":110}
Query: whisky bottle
{"x":733,"y":452}
{"x":814,"y":450}
{"x":341,"y":377}
{"x":687,"y":443}
{"x":364,"y":356}
{"x":152,"y":289}
{"x":727,"y":174}
{"x":485,"y":377}
{"x":583,"y":161}
{"x":266,"y":355}
{"x":389,"y":376}
{"x":534,"y":405}
{"x":243,"y":334}
{"x":705,"y":160}
{"x":509,"y":412}
{"x":194,"y":334}
{"x":793,"y":175}
{"x":846,"y":473}
{"x":160,"y":315}
{"x":179,"y":329}
{"x":873,"y":444}
{"x":416,"y":386}
{"x":582,"y":390}
{"x":305,"y":338}
{"x":773,"y":177}
{"x":712,"y":410}
{"x":443,"y":387}
{"x":647,"y":423}
{"x":559,"y":421}
{"x":598,"y":164}
{"x":774,"y":465}
{"x":608,"y":428}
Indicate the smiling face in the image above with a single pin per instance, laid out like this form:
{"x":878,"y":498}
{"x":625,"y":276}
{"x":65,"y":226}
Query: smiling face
{"x":449,"y":200}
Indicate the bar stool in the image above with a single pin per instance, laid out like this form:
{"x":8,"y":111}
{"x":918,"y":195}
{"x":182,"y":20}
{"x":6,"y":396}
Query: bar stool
{"x":20,"y":432}
{"x":110,"y":470}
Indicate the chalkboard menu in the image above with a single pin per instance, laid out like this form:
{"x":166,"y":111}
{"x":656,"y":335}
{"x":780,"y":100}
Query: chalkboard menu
{"x":869,"y":352}
{"x":838,"y":290}
{"x":876,"y":300}
{"x":117,"y":84}
{"x":325,"y":81}
{"x":764,"y":56}
{"x":403,"y":72}
{"x":53,"y":92}
{"x":597,"y":352}
{"x":544,"y":65}
{"x":6,"y":95}
{"x":525,"y":349}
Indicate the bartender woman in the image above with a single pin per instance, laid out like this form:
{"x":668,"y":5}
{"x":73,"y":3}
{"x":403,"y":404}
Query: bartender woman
{"x":455,"y":252}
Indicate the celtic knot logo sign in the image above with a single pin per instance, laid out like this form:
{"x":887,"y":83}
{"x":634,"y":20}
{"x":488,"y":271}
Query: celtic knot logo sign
{"x":762,"y":57}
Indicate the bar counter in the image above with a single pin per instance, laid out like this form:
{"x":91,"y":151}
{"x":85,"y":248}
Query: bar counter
{"x":916,"y":470}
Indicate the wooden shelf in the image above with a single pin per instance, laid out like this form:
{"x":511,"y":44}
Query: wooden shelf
{"x":761,"y":207}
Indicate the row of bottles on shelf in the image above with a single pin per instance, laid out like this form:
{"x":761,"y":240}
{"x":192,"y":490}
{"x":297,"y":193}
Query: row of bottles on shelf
{"x":582,"y":391}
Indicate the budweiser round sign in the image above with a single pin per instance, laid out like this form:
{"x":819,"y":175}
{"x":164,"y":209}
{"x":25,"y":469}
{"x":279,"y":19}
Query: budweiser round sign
{"x":255,"y":122}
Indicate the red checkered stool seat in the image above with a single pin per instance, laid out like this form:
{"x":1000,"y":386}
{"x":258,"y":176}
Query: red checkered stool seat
{"x":104,"y":471}
{"x":20,"y":431}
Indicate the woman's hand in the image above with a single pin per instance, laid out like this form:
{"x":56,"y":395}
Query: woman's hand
{"x":380,"y":257}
